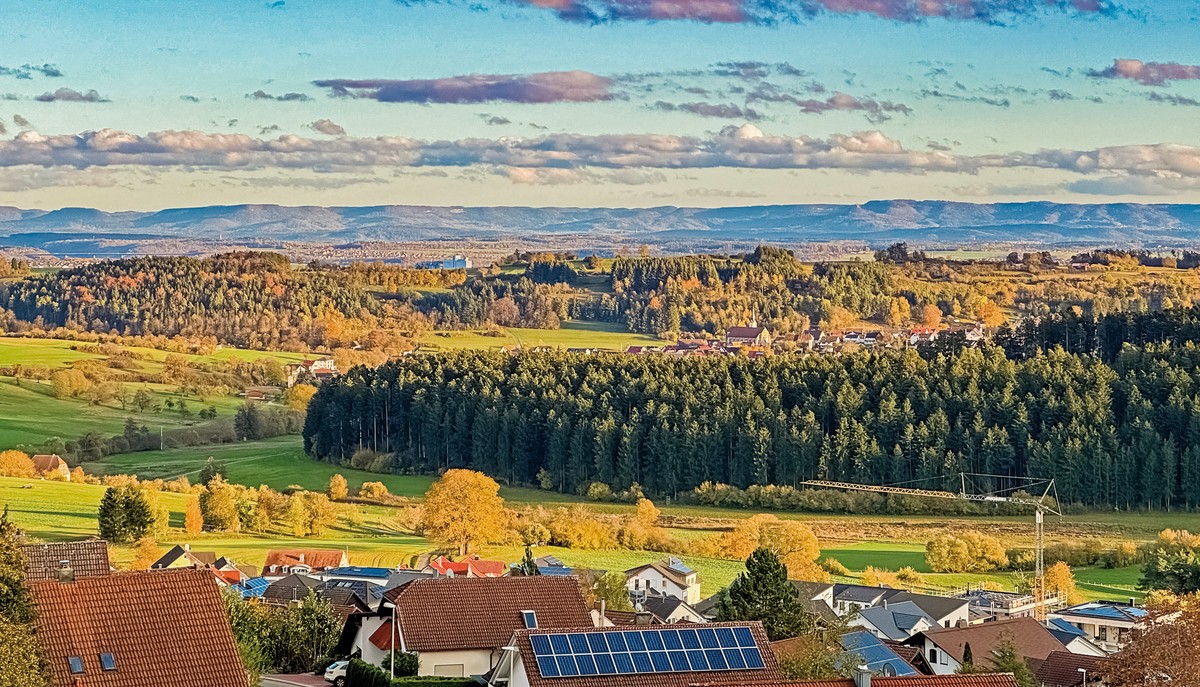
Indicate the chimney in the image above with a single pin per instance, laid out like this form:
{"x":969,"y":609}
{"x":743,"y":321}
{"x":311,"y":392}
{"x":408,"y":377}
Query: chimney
{"x":301,"y":557}
{"x":862,"y":677}
{"x":66,"y":573}
{"x":1132,"y":602}
{"x":187,"y":548}
{"x":642,"y":618}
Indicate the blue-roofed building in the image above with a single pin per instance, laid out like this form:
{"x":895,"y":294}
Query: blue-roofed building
{"x":1107,"y":624}
{"x":355,"y":573}
{"x":252,"y":588}
{"x":879,"y":658}
{"x":551,"y":565}
{"x":627,"y":656}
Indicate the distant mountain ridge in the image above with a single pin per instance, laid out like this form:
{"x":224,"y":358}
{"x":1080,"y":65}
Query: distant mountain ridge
{"x":876,"y":222}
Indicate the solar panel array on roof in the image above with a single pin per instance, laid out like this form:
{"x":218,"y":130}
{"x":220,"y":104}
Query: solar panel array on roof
{"x":254,"y":587}
{"x":1111,"y":612}
{"x":631,"y":652}
{"x":877,"y":656}
{"x":679,"y":566}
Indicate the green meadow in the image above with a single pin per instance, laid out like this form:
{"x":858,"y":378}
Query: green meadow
{"x":571,"y":334}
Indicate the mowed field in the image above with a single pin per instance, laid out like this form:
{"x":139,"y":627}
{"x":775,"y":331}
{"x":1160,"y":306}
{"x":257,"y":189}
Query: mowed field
{"x":571,"y":334}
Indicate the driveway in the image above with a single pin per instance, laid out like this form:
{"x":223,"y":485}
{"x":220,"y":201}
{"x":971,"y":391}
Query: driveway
{"x":305,"y":680}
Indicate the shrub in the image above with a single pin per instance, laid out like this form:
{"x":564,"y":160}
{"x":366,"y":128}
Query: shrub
{"x":373,"y":490}
{"x":598,"y":491}
{"x":833,"y":566}
{"x":969,"y":551}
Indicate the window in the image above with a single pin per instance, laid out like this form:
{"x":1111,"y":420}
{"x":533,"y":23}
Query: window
{"x":449,"y":670}
{"x":530,"y":619}
{"x":107,"y":662}
{"x":933,"y":656}
{"x":76,"y":665}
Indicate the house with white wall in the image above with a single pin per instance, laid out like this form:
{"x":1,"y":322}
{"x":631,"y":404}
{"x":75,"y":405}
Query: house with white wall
{"x":668,"y":577}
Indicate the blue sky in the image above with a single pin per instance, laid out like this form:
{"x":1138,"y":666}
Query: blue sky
{"x":141,"y":105}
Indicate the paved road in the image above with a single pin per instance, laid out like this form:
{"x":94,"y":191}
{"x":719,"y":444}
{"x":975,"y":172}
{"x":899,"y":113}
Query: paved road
{"x":306,"y":680}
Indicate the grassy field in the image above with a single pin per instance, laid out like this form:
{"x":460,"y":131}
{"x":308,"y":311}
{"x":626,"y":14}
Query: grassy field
{"x":31,"y":414}
{"x":571,"y":334}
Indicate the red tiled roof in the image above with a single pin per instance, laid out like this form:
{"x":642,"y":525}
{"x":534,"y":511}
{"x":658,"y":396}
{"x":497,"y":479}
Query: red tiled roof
{"x":448,"y":613}
{"x":988,"y":680}
{"x":1061,"y":668}
{"x":743,"y":332}
{"x":1030,"y":639}
{"x":630,"y":617}
{"x":472,"y":566}
{"x":163,"y":627}
{"x":768,"y":674}
{"x":87,"y":559}
{"x":315,"y":559}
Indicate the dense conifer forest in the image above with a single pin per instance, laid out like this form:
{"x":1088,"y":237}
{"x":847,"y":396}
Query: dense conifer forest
{"x":1122,"y":435}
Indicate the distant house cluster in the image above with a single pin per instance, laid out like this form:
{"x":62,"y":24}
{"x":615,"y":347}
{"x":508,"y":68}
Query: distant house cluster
{"x":457,"y":262}
{"x":756,"y":341}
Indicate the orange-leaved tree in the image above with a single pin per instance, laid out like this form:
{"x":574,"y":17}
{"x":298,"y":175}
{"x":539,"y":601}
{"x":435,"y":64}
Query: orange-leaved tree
{"x":464,"y":509}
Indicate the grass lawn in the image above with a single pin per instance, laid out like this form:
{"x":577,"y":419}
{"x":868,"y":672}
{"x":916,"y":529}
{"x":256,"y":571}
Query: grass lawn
{"x":58,"y":353}
{"x":572,"y":334}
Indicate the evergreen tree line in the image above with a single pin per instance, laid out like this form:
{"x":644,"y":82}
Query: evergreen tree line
{"x":1105,"y":336}
{"x":1122,"y":435}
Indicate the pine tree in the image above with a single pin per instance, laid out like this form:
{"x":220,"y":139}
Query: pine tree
{"x":528,"y":566}
{"x":111,"y":517}
{"x":764,"y":593}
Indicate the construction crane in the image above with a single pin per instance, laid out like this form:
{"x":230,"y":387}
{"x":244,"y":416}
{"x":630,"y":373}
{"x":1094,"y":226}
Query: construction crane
{"x":1040,"y":506}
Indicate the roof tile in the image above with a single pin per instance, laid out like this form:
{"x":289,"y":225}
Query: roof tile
{"x":163,"y":627}
{"x":87,"y":559}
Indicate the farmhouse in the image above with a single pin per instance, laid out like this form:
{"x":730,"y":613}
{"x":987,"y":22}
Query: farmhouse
{"x":158,"y":627}
{"x":51,"y":466}
{"x":317,"y":370}
{"x":459,"y":625}
{"x":470,"y":566}
{"x":669,"y":577}
{"x":897,"y":621}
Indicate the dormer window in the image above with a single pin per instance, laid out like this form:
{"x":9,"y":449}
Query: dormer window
{"x":108,"y":662}
{"x":76,"y":665}
{"x":530,"y":619}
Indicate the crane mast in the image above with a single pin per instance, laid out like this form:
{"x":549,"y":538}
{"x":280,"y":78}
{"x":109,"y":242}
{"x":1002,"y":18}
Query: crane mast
{"x":1038,"y":504}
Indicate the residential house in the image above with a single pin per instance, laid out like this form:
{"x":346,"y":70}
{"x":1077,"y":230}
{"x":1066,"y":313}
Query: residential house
{"x":752,"y":335}
{"x":316,"y":370}
{"x":291,"y":589}
{"x":719,"y":654}
{"x":864,"y":679}
{"x":156,"y":627}
{"x":922,"y":336}
{"x":1065,"y":669}
{"x":295,"y":588}
{"x":403,"y":576}
{"x":551,"y":565}
{"x":817,"y":599}
{"x":470,"y":566}
{"x":226,"y":571}
{"x":284,"y":562}
{"x":252,"y":588}
{"x":867,"y":649}
{"x":613,"y":618}
{"x":1073,"y":638}
{"x":946,"y":611}
{"x":1109,"y":624}
{"x":51,"y":466}
{"x":997,"y":605}
{"x":460,"y":625}
{"x":369,"y":593}
{"x":668,"y":577}
{"x":75,"y":559}
{"x":457,"y":262}
{"x":895,"y":621}
{"x":670,"y":609}
{"x":378,"y":576}
{"x":945,"y":648}
{"x":850,"y":598}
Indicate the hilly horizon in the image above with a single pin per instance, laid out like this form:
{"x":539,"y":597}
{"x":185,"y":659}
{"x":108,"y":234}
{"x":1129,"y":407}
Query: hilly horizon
{"x":922,"y":223}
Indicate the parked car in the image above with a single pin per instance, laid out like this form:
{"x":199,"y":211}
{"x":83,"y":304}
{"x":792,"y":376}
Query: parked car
{"x":336,"y":673}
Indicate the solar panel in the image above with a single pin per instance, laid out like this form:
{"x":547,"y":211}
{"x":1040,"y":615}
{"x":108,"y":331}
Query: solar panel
{"x":666,"y":650}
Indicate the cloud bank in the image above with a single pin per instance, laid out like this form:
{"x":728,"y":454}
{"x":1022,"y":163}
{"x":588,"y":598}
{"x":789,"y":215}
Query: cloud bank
{"x":1147,"y":73}
{"x":744,"y":147}
{"x":790,"y":11}
{"x":544,"y":87}
{"x":70,"y":95}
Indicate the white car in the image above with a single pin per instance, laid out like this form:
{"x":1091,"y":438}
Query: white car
{"x":336,"y":673}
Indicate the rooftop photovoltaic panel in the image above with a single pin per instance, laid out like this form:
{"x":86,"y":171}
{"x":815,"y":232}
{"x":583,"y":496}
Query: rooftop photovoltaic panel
{"x":630,"y":652}
{"x":876,"y":655}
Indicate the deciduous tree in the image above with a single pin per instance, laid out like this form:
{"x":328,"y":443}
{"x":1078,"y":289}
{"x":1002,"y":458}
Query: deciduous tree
{"x":463,"y":509}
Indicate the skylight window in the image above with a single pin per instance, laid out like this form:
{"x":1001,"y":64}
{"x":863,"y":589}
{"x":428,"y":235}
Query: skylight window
{"x":108,"y":662}
{"x":530,"y":619}
{"x":76,"y":665}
